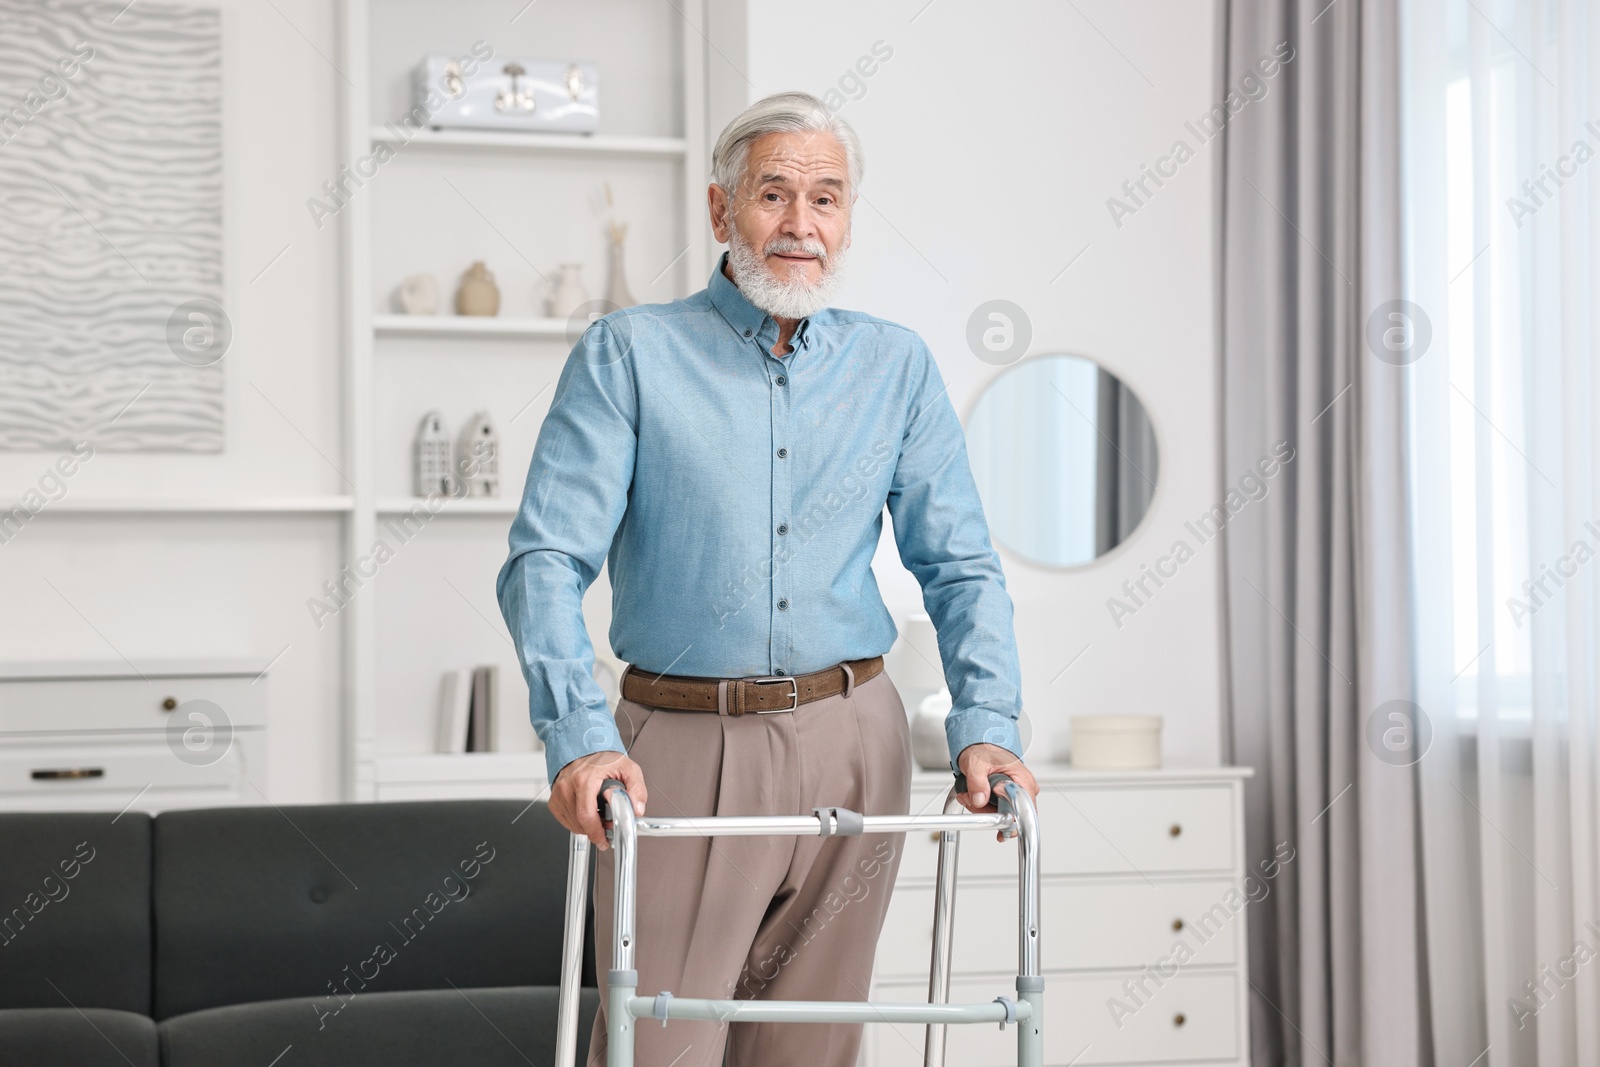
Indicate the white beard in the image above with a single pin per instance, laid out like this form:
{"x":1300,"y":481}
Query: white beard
{"x":794,"y":298}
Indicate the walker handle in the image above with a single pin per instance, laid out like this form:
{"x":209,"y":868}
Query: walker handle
{"x":996,"y":779}
{"x":605,"y":812}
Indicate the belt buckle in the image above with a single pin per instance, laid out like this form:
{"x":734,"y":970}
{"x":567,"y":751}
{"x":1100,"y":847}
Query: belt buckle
{"x":794,"y":692}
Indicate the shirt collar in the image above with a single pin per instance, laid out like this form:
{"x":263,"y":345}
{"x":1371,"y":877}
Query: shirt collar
{"x":745,"y":318}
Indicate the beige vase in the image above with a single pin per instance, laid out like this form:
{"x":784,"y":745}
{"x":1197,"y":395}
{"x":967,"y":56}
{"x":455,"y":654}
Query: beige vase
{"x":477,"y":295}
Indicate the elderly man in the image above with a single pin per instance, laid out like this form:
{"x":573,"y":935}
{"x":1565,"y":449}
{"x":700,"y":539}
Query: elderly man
{"x":729,"y":455}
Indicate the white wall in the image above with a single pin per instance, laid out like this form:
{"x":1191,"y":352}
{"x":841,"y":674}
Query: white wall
{"x":993,"y":136}
{"x":186,"y":586}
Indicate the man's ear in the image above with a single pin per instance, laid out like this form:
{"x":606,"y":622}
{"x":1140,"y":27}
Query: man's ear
{"x":717,"y":206}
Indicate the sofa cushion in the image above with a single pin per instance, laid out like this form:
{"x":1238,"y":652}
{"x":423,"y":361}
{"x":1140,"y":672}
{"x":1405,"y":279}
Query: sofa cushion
{"x":332,"y":900}
{"x":68,"y":1037}
{"x":482,"y":1027}
{"x":75,"y":910}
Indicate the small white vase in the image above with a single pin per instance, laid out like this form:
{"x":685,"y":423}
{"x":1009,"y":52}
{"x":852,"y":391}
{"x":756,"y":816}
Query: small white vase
{"x":617,"y":294}
{"x":418,"y":295}
{"x":929,"y":745}
{"x":567,"y":293}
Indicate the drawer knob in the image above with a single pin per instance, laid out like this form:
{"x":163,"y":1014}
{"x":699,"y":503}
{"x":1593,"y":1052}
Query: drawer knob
{"x":70,"y":772}
{"x":169,"y":703}
{"x":1174,"y":830}
{"x":1177,"y":924}
{"x":1178,"y":1019}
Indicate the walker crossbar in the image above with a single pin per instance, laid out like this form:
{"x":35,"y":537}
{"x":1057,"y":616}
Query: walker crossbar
{"x":807,"y":825}
{"x":808,"y":1011}
{"x":1014,"y":817}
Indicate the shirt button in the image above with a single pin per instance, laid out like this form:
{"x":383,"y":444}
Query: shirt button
{"x":783,"y":605}
{"x":780,"y":670}
{"x":747,"y":333}
{"x":783,"y":453}
{"x":783,"y":527}
{"x":782,"y":380}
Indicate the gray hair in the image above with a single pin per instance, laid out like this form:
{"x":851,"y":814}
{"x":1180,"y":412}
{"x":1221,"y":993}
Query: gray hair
{"x":792,"y":112}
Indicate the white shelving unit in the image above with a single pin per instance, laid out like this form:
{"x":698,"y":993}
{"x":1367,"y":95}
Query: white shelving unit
{"x":302,"y":505}
{"x":529,"y":142}
{"x":468,"y":326}
{"x":465,"y":506}
{"x":437,"y":186}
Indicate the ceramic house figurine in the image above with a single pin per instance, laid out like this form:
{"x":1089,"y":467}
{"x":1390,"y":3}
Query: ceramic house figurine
{"x":478,"y":457}
{"x":430,"y":458}
{"x":478,"y":295}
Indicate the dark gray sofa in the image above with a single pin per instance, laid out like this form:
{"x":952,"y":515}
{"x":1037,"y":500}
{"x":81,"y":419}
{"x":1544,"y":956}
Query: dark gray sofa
{"x":345,"y":934}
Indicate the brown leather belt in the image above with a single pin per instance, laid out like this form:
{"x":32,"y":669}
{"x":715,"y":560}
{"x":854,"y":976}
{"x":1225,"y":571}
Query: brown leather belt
{"x":736,"y":696}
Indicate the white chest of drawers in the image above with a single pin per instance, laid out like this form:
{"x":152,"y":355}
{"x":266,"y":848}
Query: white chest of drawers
{"x":108,"y":735}
{"x":1143,"y":933}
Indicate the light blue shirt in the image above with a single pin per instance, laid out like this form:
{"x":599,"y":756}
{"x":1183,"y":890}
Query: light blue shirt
{"x":738,"y":499}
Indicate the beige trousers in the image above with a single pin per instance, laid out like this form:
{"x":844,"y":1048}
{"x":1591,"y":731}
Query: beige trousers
{"x":783,"y":918}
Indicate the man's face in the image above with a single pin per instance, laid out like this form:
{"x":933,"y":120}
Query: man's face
{"x":792,"y":203}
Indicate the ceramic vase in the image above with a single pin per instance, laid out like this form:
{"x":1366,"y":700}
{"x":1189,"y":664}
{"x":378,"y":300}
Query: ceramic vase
{"x":617,"y":294}
{"x":418,"y":295}
{"x":477,"y":295}
{"x":567,"y":293}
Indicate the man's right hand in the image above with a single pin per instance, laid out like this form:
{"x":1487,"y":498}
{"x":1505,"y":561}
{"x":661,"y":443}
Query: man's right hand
{"x":575,"y":794}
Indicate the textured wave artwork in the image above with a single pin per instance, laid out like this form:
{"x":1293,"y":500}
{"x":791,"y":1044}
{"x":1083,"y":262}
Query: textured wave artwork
{"x":111,"y":327}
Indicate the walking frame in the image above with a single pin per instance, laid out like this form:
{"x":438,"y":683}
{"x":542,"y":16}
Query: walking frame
{"x":1015,"y":816}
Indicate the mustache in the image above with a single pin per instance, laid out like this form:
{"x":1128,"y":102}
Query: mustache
{"x":789,"y":244}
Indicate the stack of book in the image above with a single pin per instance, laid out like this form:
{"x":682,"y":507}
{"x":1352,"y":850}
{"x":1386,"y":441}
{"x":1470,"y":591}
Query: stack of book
{"x":472,"y":718}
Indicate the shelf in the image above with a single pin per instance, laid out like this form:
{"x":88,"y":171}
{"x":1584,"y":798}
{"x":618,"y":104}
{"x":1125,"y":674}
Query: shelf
{"x":402,"y":505}
{"x":57,"y":670}
{"x":462,"y":767}
{"x":468,"y":326}
{"x":291,"y":505}
{"x":523,"y":141}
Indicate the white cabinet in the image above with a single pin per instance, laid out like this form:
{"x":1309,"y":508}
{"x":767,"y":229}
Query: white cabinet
{"x":80,"y":736}
{"x":1143,"y":923}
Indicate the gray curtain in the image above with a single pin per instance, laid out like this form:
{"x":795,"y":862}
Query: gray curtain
{"x":1316,"y":613}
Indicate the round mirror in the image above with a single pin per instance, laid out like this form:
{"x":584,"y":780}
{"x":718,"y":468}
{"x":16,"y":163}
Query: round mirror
{"x":1065,"y":459}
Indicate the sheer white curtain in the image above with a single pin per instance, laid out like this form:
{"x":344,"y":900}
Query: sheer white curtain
{"x":1501,"y":143}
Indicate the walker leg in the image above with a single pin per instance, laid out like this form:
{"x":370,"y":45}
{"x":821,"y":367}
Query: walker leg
{"x":944,"y":914}
{"x":1030,"y":1034}
{"x":622,"y":978}
{"x":619,"y":1023}
{"x":1030,"y":983}
{"x":572,"y":952}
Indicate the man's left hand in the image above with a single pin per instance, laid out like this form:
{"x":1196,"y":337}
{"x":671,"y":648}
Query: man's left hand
{"x":979,"y":761}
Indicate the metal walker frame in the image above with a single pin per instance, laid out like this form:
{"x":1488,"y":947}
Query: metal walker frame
{"x":1015,"y":817}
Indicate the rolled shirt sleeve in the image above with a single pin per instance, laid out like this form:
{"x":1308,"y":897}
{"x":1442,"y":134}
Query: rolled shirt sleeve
{"x":573,"y":501}
{"x":943,"y":540}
